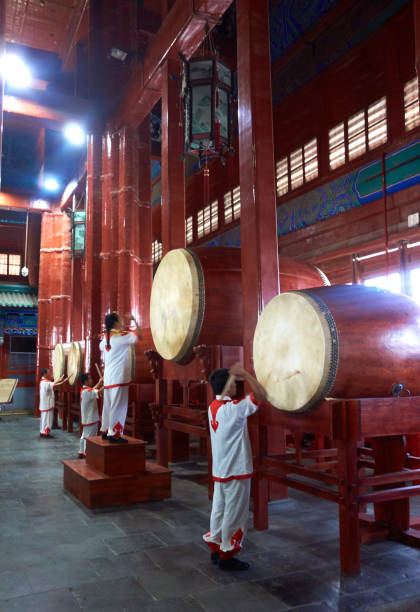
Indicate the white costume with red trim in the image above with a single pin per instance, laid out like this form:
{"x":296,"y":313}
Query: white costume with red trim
{"x":232,"y":472}
{"x":46,"y":405}
{"x":117,"y":375}
{"x":89,"y":415}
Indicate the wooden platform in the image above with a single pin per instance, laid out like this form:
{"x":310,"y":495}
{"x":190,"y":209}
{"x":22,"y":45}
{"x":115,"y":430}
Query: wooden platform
{"x":116,"y":459}
{"x":126,"y":478}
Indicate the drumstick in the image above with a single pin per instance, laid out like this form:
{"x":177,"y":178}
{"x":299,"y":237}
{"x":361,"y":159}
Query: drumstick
{"x":98,"y":370}
{"x":227,"y":385}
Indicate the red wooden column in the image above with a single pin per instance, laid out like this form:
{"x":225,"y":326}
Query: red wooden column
{"x":173,"y":172}
{"x":2,"y":49}
{"x":127,"y":222}
{"x":416,"y":10}
{"x":143,"y":239}
{"x":44,"y":305}
{"x":65,"y":280}
{"x":260,"y":278}
{"x":173,"y":199}
{"x":110,"y":144}
{"x":93,"y":315}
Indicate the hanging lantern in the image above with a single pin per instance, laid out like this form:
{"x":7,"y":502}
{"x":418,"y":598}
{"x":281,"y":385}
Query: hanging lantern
{"x":207,"y":93}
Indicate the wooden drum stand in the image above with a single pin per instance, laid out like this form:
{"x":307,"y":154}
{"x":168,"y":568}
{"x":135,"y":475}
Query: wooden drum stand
{"x":338,"y":474}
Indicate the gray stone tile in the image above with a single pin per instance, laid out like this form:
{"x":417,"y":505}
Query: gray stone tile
{"x":138,"y":541}
{"x":173,"y":582}
{"x":62,"y":574}
{"x":60,"y":600}
{"x":119,"y":594}
{"x":230,"y":597}
{"x":14,"y":583}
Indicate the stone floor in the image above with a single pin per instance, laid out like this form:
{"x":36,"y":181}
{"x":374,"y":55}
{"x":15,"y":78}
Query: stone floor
{"x":57,"y":556}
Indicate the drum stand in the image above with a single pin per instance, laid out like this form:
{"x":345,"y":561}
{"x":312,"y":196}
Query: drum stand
{"x":339,"y":474}
{"x":182,"y":400}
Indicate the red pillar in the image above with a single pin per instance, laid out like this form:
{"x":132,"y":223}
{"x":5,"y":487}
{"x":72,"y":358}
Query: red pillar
{"x":416,"y":10}
{"x":110,"y":143}
{"x":127,"y":222}
{"x":259,"y":252}
{"x":93,"y":316}
{"x":173,"y":173}
{"x":143,"y":242}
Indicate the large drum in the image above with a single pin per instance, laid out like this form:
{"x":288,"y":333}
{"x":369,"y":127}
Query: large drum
{"x":60,"y":354}
{"x":140,"y":366}
{"x":75,"y":361}
{"x":346,"y":341}
{"x":197,"y":298}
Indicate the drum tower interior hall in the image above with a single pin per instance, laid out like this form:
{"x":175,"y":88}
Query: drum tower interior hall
{"x":244,"y":179}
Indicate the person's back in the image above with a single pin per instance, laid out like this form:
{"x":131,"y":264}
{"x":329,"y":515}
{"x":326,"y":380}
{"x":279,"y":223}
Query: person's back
{"x":232,"y":465}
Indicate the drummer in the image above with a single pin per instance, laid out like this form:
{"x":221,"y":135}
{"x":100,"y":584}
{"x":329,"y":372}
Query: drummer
{"x":88,"y":410}
{"x":47,"y":401}
{"x":232,"y":465}
{"x":116,"y":351}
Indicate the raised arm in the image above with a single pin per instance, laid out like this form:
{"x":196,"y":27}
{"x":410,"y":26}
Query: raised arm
{"x":60,"y":381}
{"x":137,"y":330}
{"x":99,"y":384}
{"x":238,"y":371}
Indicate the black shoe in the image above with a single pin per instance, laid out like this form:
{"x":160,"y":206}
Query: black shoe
{"x":81,"y":455}
{"x":233,"y":565}
{"x":214,"y":558}
{"x":117,"y":440}
{"x":104,"y":436}
{"x":42,"y":435}
{"x":48,"y":436}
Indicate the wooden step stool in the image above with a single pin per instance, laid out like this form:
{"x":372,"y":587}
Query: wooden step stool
{"x":116,"y":475}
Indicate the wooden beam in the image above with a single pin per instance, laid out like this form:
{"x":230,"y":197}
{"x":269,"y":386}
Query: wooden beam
{"x":182,"y":31}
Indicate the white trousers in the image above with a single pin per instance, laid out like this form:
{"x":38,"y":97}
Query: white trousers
{"x":88,"y":432}
{"x":114,"y":410}
{"x":46,"y":421}
{"x":229,"y":517}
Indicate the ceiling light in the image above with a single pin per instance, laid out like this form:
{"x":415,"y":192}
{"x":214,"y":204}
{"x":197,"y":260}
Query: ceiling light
{"x":75,"y":133}
{"x":14,"y":70}
{"x":51,"y":184}
{"x":40,"y":204}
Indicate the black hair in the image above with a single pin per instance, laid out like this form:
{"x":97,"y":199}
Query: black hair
{"x":218,"y":379}
{"x":83,"y":377}
{"x":110,"y":319}
{"x":44,"y":371}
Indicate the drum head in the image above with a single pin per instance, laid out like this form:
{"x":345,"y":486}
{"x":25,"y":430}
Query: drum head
{"x":74,"y":362}
{"x":177,"y":304}
{"x":292,"y":351}
{"x":59,"y":362}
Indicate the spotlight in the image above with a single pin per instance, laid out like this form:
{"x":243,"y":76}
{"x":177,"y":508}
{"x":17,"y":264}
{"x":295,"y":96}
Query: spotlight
{"x":15,"y":71}
{"x":119,"y":54}
{"x":75,"y":133}
{"x":51,"y":184}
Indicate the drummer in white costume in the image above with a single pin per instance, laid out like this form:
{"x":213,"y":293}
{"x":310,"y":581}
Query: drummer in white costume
{"x":88,"y":410}
{"x":232,"y":466}
{"x":116,"y":351}
{"x":47,"y":402}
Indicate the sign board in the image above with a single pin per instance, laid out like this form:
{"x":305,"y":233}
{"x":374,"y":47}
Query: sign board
{"x":7,"y":388}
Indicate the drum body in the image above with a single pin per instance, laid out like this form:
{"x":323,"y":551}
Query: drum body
{"x":197,"y":298}
{"x":60,"y":355}
{"x":140,"y":366}
{"x":345,"y":341}
{"x":75,"y":361}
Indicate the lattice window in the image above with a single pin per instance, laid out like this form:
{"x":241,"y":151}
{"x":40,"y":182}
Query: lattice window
{"x":337,"y":146}
{"x":282,"y":176}
{"x":411,"y":104}
{"x":208,"y":219}
{"x":297,"y":168}
{"x":366,"y":129}
{"x":189,"y":230}
{"x":232,"y":205}
{"x":156,"y":251}
{"x":377,"y":123}
{"x":10,"y":264}
{"x":356,"y":135}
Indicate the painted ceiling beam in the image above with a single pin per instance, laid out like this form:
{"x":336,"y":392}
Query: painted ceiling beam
{"x":182,"y":31}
